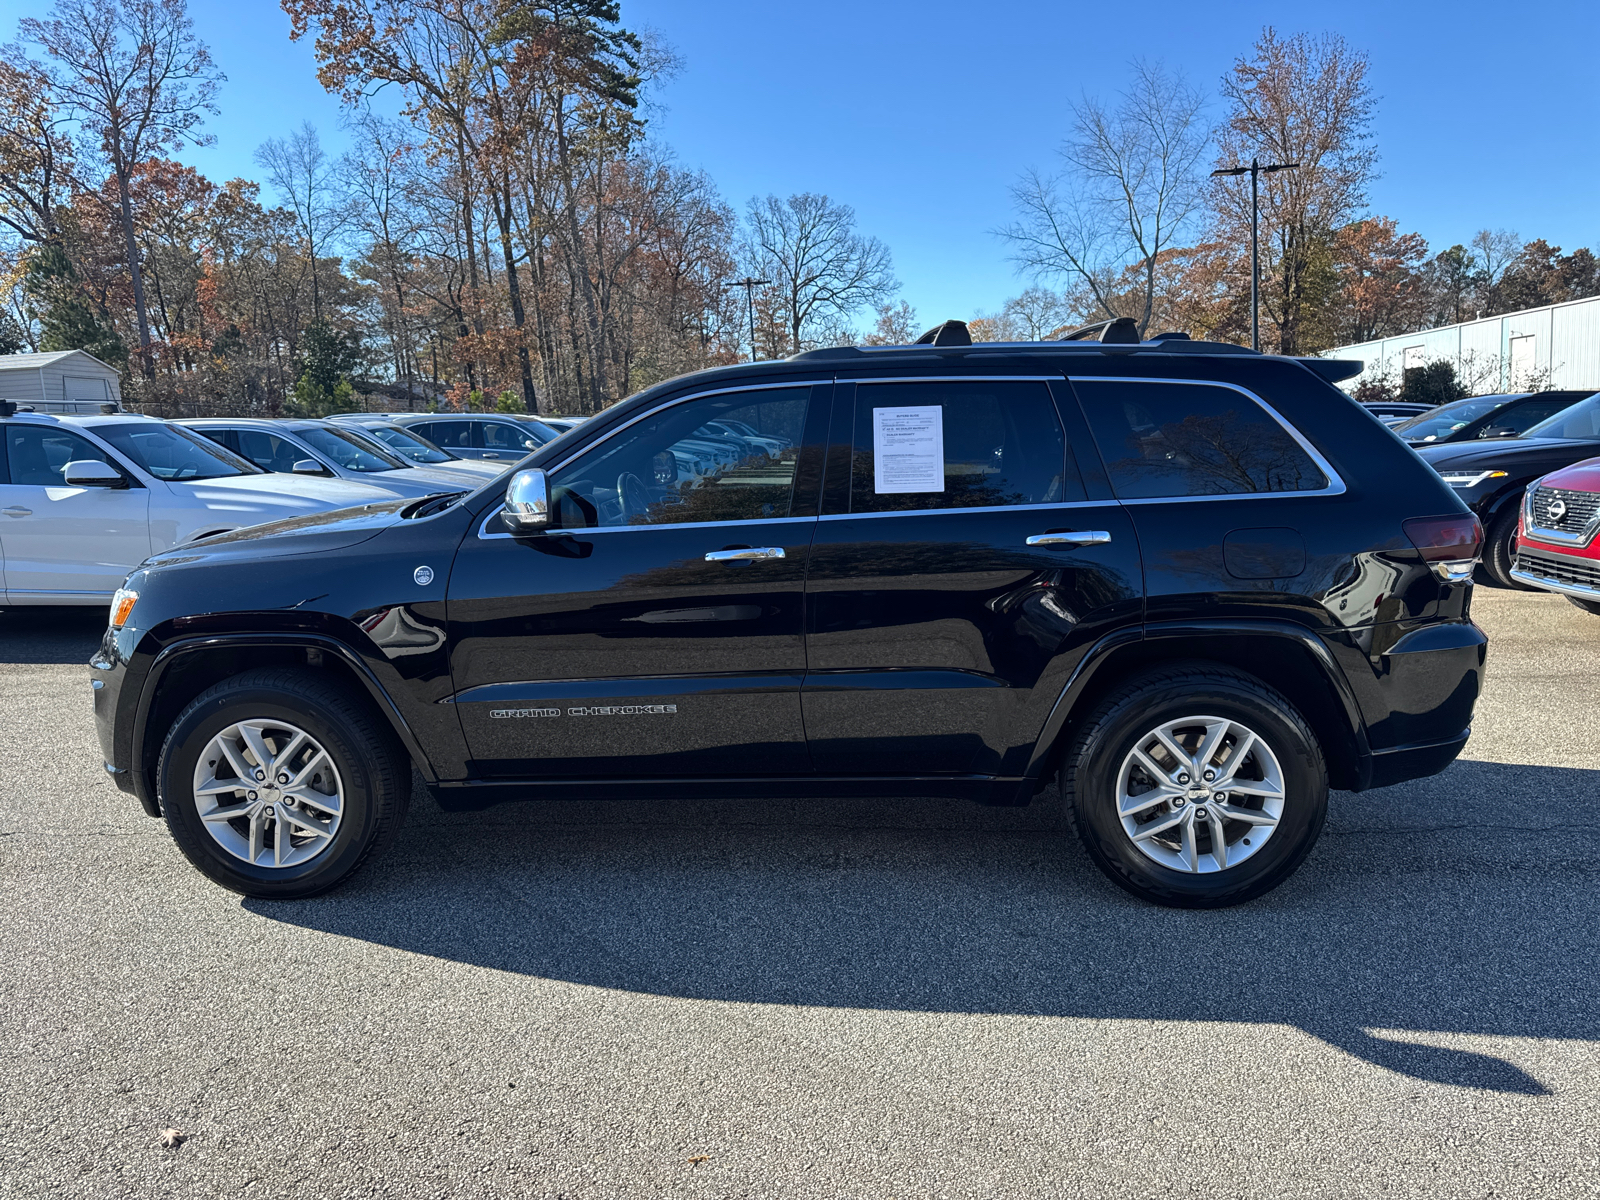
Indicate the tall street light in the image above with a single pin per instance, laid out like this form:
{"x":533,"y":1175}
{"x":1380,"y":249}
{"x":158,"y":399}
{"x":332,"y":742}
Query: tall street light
{"x":1255,"y":170}
{"x":750,"y":285}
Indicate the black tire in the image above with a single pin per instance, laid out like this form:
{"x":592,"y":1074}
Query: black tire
{"x":1499,"y":547}
{"x":1094,"y":759}
{"x":373,"y":767}
{"x":1588,"y":606}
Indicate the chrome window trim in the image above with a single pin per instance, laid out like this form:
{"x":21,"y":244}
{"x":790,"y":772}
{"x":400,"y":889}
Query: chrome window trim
{"x":1336,"y":486}
{"x":990,"y":508}
{"x":586,"y":530}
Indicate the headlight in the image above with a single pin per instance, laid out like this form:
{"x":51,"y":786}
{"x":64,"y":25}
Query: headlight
{"x":1469,"y":479}
{"x":122,"y":607}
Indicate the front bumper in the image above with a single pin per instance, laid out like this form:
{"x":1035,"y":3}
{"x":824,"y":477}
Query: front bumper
{"x":1551,"y":571}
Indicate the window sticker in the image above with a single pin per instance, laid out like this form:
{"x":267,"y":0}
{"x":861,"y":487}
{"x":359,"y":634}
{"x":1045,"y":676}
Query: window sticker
{"x":908,"y":449}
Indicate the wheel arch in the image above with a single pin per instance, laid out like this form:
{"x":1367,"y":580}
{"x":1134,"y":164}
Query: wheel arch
{"x":1284,"y":656}
{"x":184,"y":669}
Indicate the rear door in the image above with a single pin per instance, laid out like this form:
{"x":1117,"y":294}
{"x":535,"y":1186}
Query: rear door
{"x":63,"y":543}
{"x":968,"y":555}
{"x":658,"y":628}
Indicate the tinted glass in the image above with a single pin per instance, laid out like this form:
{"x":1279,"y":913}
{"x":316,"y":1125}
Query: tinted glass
{"x":170,"y":452}
{"x":1169,"y":439}
{"x":449,"y":434}
{"x":407,"y":445}
{"x":510,"y":438}
{"x":39,"y":454}
{"x":1580,"y":422}
{"x":267,"y":450}
{"x":678,"y":466}
{"x":1447,"y":418}
{"x":349,"y":453}
{"x":540,"y":432}
{"x":942,"y":444}
{"x":1523,"y":417}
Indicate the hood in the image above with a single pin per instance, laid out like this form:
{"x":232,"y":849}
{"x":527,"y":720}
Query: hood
{"x":1517,"y":455}
{"x":475,"y":469}
{"x":331,"y":529}
{"x":420,"y":480}
{"x":1580,"y":477}
{"x":255,"y":498}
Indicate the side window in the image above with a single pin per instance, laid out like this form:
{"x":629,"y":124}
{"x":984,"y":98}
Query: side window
{"x":506,"y":437}
{"x":267,"y":450}
{"x":1176,"y":439}
{"x":1522,"y":418}
{"x":38,"y":454}
{"x":457,"y":434}
{"x":718,"y":458}
{"x":954,"y":444}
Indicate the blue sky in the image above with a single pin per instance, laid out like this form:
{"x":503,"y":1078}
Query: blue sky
{"x":920,"y":114}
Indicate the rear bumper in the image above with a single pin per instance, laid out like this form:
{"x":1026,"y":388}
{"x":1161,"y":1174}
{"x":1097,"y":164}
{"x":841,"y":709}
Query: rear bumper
{"x":1396,"y":765}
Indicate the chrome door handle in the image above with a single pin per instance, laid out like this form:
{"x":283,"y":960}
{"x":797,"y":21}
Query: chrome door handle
{"x":749,"y":554}
{"x":490,"y":454}
{"x":15,"y":511}
{"x":1087,"y":537}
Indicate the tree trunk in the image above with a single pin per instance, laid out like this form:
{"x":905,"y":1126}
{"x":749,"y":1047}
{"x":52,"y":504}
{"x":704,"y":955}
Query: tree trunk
{"x":502,"y":214}
{"x":132,"y":245}
{"x":597,"y":368}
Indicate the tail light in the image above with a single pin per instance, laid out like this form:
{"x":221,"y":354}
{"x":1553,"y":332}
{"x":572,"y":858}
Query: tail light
{"x":1450,"y":545}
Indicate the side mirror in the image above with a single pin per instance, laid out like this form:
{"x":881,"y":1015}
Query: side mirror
{"x":527,"y":506}
{"x":308,"y":466}
{"x":90,"y":472}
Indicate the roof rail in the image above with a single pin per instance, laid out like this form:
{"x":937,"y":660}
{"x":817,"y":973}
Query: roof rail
{"x":947,"y":333}
{"x":1121,"y":331}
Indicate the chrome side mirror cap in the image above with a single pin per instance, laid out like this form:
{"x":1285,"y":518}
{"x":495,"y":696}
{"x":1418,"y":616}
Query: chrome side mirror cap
{"x":91,"y":472}
{"x":527,"y":506}
{"x":308,"y":466}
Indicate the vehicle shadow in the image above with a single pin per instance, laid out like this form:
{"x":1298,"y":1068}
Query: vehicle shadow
{"x":41,"y":634}
{"x":1427,"y":909}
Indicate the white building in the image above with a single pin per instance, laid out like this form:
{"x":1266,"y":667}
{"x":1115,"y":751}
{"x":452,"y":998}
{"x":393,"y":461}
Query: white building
{"x":62,"y":381}
{"x":1557,"y":346}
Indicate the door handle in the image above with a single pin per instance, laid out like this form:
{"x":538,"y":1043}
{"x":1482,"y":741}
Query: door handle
{"x":748,"y":554}
{"x":490,"y":454}
{"x":1087,"y":537}
{"x":16,"y":511}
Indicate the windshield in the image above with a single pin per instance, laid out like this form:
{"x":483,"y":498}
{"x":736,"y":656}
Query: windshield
{"x":1447,"y":418}
{"x":406,"y":445}
{"x":1580,"y":423}
{"x":171,"y":453}
{"x":348,"y":452}
{"x":539,"y":431}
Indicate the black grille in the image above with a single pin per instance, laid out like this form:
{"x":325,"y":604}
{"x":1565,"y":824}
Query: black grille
{"x":1580,"y":509}
{"x":1558,"y":568}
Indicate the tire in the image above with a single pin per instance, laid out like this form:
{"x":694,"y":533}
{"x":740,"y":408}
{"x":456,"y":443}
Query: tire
{"x":1499,"y":548}
{"x":1588,"y":606}
{"x":328,"y":834}
{"x":1101,"y":756}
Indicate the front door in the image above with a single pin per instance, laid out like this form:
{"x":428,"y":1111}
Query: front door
{"x":63,"y":543}
{"x":963,"y":565}
{"x":657,"y":629}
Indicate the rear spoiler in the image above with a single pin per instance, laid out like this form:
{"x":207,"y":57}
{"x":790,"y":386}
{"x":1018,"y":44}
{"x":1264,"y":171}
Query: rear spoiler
{"x":1334,"y":369}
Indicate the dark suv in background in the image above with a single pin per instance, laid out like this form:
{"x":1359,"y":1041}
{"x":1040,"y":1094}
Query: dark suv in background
{"x":1196,"y":585}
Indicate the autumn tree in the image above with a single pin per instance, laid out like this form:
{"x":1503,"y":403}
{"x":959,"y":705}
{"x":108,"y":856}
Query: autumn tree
{"x":36,"y":160}
{"x":137,"y":82}
{"x":1301,"y":100}
{"x":1128,"y":190}
{"x":1381,"y":287}
{"x":821,"y":268}
{"x":303,"y":174}
{"x":896,"y":326}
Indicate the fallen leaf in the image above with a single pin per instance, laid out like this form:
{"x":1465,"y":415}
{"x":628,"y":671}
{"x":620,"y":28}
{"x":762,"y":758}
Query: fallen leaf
{"x":698,"y":1159}
{"x":171,"y":1139}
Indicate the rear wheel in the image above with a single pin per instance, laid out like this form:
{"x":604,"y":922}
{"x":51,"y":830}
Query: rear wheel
{"x":279,"y":784}
{"x":1500,"y":548}
{"x":1196,"y":788}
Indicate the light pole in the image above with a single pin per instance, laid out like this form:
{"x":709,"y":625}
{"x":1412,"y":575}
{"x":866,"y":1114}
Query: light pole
{"x":1255,"y":170}
{"x":750,"y":285}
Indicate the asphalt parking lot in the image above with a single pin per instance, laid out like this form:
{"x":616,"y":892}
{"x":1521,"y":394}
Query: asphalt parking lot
{"x":828,"y":998}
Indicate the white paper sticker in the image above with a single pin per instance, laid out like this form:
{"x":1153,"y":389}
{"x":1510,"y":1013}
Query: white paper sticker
{"x":908,"y":449}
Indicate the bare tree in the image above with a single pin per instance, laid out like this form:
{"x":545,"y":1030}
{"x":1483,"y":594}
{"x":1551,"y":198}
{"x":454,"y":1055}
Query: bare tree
{"x":1129,"y":187}
{"x":138,"y":83}
{"x":35,"y":154}
{"x":821,"y":269}
{"x":304,"y":176}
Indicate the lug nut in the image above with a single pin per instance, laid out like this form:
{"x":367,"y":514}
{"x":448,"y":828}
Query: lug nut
{"x":1179,"y":801}
{"x":1220,"y":797}
{"x":1183,"y":777}
{"x":261,"y":775}
{"x":1200,"y":814}
{"x":1210,"y":775}
{"x":268,"y":811}
{"x":249,"y":795}
{"x":283,"y":777}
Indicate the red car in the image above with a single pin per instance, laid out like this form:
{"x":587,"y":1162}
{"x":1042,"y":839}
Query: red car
{"x":1556,"y":546}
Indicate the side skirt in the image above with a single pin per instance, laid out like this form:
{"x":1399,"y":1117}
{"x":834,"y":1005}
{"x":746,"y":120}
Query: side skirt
{"x":473,"y":794}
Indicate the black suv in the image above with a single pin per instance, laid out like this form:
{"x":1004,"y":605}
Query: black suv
{"x":1195,"y":584}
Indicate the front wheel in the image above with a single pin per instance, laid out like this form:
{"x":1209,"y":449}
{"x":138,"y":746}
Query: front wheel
{"x":1196,"y":788}
{"x":1588,"y":606}
{"x":279,"y":784}
{"x":1500,"y":548}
